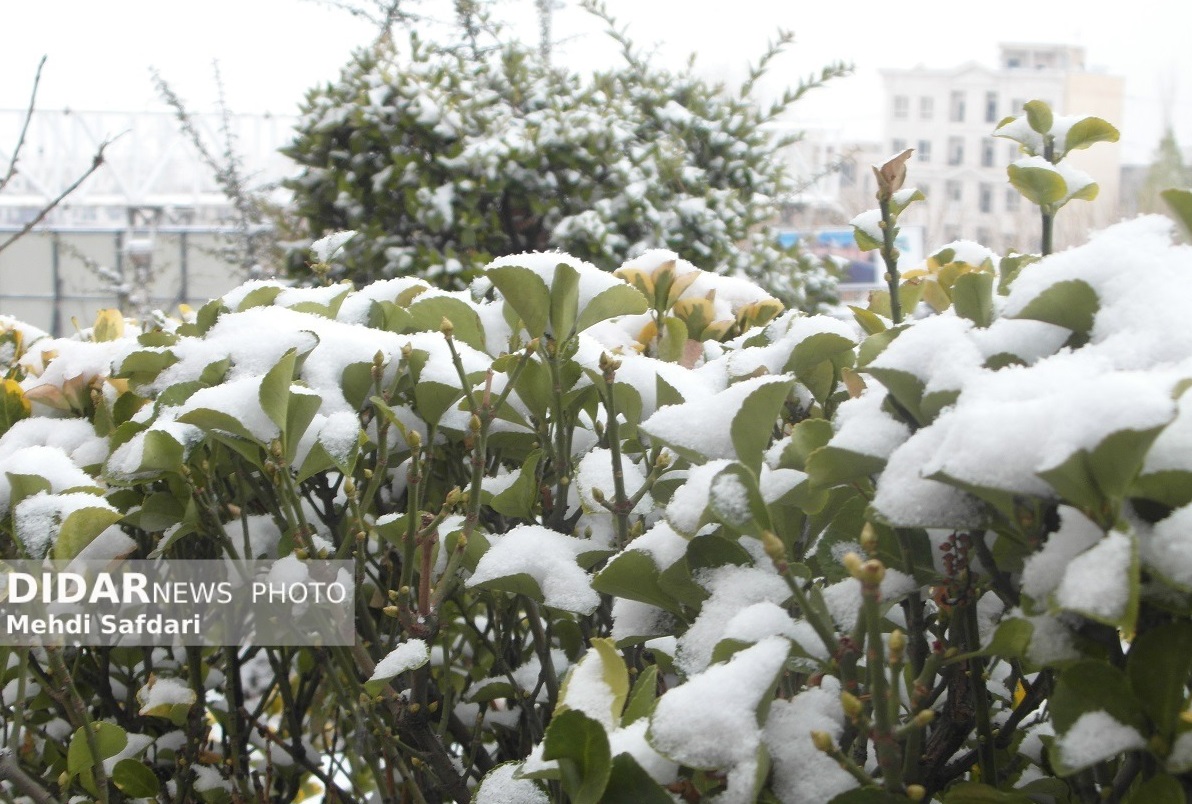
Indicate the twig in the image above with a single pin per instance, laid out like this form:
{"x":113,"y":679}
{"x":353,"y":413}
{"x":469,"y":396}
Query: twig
{"x":16,"y":151}
{"x":12,"y":771}
{"x":96,"y":162}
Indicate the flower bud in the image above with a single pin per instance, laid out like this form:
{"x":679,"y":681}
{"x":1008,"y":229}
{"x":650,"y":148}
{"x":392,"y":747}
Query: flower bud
{"x":390,"y":611}
{"x":852,"y":562}
{"x":851,"y":705}
{"x":869,"y":538}
{"x":773,"y":546}
{"x":923,"y":717}
{"x":897,"y":646}
{"x":446,"y":327}
{"x":823,"y":741}
{"x":916,"y":792}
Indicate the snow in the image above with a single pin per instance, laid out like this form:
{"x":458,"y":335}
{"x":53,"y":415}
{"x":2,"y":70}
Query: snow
{"x":731,"y":589}
{"x":1096,"y":736}
{"x":704,"y":425}
{"x":1172,"y":450}
{"x":711,"y":721}
{"x":906,"y":497}
{"x":662,"y":544}
{"x":239,"y":399}
{"x":327,"y":247}
{"x":687,"y":505}
{"x":546,"y":556}
{"x":868,"y":222}
{"x":409,"y":655}
{"x":1026,"y":339}
{"x":587,"y":690}
{"x":1097,"y":582}
{"x":500,"y":786}
{"x":36,"y":520}
{"x":632,"y":740}
{"x":1044,"y":570}
{"x":595,"y":471}
{"x":634,"y":620}
{"x":75,"y":437}
{"x":843,"y":598}
{"x":864,"y":427}
{"x":166,"y":692}
{"x":1076,"y":180}
{"x":937,"y":351}
{"x":1168,"y":550}
{"x":801,"y":771}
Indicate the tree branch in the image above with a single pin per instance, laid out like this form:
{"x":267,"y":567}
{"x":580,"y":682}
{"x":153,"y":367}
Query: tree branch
{"x":16,"y":151}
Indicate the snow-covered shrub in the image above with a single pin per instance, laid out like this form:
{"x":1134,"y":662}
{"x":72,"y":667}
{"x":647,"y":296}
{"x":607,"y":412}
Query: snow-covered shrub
{"x":635,"y":537}
{"x":446,"y":157}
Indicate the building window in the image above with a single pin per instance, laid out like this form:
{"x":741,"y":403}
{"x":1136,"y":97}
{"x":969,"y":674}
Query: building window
{"x":899,"y":145}
{"x":954,"y":189}
{"x":924,"y":151}
{"x":990,"y":107}
{"x":1012,"y":152}
{"x":986,"y":152}
{"x":848,"y":174}
{"x":926,"y":107}
{"x":956,"y":114}
{"x":955,"y":150}
{"x":902,"y":107}
{"x":1012,"y":199}
{"x":985,"y":197}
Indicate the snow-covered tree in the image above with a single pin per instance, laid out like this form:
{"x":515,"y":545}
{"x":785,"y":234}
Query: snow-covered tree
{"x":446,"y":157}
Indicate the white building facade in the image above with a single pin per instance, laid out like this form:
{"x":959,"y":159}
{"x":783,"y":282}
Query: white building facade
{"x":948,"y":118}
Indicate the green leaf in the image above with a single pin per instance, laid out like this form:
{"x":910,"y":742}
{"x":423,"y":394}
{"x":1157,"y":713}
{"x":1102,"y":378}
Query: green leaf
{"x":977,"y":793}
{"x":905,"y":388}
{"x":737,"y":502}
{"x":642,"y":698}
{"x":672,"y":340}
{"x":612,"y":302}
{"x":1158,"y":667}
{"x":864,"y":241}
{"x":1088,"y":131}
{"x":1090,"y":685}
{"x":868,"y":321}
{"x":1180,"y":202}
{"x":1096,"y":481}
{"x":581,"y":747}
{"x":1038,"y":115}
{"x":972,"y":297}
{"x":629,"y":783}
{"x":1011,"y":640}
{"x":427,"y":314}
{"x":632,"y":574}
{"x":1042,"y":186}
{"x":564,"y":301}
{"x":752,"y":426}
{"x":110,"y":740}
{"x":301,"y":410}
{"x":432,"y":400}
{"x":275,"y":389}
{"x":262,"y":296}
{"x":1071,"y":304}
{"x":832,"y":466}
{"x":613,"y":674}
{"x":1159,"y":789}
{"x":13,"y":405}
{"x":519,"y":499}
{"x":135,"y":779}
{"x":868,"y":795}
{"x":806,"y":437}
{"x":1171,"y":487}
{"x":79,"y":529}
{"x":526,"y":293}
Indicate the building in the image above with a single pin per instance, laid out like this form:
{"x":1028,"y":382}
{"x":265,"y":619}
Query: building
{"x":948,"y":118}
{"x":150,"y":229}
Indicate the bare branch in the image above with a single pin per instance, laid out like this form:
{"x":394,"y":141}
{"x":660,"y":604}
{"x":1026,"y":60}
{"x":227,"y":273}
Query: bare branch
{"x":11,"y":770}
{"x":16,"y":151}
{"x":96,"y":162}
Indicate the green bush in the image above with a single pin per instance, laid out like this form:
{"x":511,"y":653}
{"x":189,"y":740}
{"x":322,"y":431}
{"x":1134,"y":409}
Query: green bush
{"x":639,"y":536}
{"x":446,"y":157}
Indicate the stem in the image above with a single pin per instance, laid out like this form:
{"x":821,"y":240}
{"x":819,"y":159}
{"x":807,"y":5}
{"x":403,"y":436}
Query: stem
{"x":890,"y":257}
{"x":542,"y":645}
{"x":889,"y":755}
{"x":975,"y":667}
{"x":64,"y":681}
{"x":621,"y":506}
{"x":11,"y":770}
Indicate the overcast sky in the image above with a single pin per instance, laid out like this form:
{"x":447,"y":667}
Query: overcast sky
{"x":271,"y":51}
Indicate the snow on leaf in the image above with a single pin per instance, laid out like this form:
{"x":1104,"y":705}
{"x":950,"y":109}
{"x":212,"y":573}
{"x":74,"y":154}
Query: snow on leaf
{"x":1095,"y":736}
{"x":547,"y":559}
